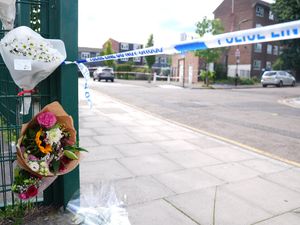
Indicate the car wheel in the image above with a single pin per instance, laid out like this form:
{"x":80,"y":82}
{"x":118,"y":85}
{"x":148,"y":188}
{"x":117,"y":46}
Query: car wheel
{"x":112,"y":80}
{"x":293,"y":84}
{"x":99,"y":79}
{"x":264,"y":85}
{"x":94,"y":79}
{"x":106,"y":80}
{"x":280,"y":84}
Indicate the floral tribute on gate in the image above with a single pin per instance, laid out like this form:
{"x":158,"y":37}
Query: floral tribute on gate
{"x":47,"y":147}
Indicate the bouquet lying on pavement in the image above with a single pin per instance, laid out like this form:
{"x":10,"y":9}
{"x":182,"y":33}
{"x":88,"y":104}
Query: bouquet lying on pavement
{"x":47,"y":147}
{"x":98,"y":204}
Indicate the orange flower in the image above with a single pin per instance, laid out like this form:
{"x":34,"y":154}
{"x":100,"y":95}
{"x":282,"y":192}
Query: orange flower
{"x":47,"y":149}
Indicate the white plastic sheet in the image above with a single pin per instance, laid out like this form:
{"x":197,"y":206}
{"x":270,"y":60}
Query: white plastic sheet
{"x":98,"y":204}
{"x":29,"y":57}
{"x":7,"y":13}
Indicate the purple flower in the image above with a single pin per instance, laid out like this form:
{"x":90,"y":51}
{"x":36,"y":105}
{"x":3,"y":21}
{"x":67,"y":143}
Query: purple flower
{"x":32,"y":158}
{"x":46,"y":119}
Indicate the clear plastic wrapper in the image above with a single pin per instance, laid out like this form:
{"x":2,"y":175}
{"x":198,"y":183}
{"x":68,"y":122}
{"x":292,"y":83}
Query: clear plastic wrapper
{"x":98,"y":204}
{"x":30,"y":58}
{"x":7,"y":13}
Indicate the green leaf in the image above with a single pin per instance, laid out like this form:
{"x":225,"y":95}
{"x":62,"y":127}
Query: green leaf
{"x":70,"y":154}
{"x":55,"y":165}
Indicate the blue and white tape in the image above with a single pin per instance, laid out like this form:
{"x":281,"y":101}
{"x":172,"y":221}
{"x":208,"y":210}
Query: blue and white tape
{"x":277,"y":32}
{"x":86,"y":74}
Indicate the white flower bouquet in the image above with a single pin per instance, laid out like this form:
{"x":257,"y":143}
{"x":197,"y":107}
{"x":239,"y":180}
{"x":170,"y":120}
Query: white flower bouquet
{"x":29,"y":57}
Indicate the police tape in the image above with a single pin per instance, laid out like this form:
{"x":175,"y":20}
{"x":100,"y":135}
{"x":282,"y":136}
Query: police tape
{"x":277,"y":32}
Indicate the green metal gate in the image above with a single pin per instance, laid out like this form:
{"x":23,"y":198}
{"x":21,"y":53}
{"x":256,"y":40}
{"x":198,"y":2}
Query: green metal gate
{"x":56,"y":19}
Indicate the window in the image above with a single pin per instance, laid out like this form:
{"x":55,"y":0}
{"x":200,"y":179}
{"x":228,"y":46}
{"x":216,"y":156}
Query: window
{"x":258,"y":25}
{"x":124,"y":46}
{"x":137,"y":59}
{"x":259,"y":11}
{"x":124,"y":60}
{"x":258,"y":47}
{"x":275,"y":50}
{"x":157,"y":60}
{"x":271,"y":15}
{"x":163,"y":60}
{"x":280,"y":50}
{"x":256,"y":64}
{"x":268,"y":65}
{"x":137,"y":46}
{"x":269,"y":49}
{"x":85,"y":55}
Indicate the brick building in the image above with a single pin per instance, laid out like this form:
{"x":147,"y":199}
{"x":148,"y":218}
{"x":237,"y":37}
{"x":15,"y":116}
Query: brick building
{"x":245,"y":14}
{"x":85,"y":52}
{"x":186,"y":66}
{"x":161,"y":61}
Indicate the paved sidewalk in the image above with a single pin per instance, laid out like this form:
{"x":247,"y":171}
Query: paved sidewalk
{"x":174,"y":176}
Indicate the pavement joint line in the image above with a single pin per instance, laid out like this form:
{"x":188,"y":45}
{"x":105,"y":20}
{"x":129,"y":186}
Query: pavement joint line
{"x":252,"y":149}
{"x":274,"y":216}
{"x":181,"y":211}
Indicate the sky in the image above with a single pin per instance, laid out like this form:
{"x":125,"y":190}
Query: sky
{"x":134,"y":20}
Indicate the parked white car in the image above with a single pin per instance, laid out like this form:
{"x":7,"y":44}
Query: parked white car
{"x":104,"y":73}
{"x":278,"y":78}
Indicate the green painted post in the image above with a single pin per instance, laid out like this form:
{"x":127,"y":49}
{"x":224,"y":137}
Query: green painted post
{"x":65,"y":27}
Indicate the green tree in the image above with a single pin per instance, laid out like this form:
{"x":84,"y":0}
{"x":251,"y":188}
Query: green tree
{"x":284,"y":11}
{"x":150,"y":60}
{"x":207,"y":26}
{"x":108,"y":51}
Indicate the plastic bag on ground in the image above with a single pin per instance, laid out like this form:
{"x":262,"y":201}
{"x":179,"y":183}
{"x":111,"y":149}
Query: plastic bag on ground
{"x":98,"y":204}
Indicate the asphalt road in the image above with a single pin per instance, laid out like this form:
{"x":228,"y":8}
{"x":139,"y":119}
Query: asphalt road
{"x":251,"y":116}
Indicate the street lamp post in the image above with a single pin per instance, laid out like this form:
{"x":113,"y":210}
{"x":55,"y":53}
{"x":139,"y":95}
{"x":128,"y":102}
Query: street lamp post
{"x":238,"y":53}
{"x":237,"y":57}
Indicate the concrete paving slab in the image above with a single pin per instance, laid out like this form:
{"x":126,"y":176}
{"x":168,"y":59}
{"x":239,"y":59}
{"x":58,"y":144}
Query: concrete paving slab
{"x":176,"y":145}
{"x":285,"y":219}
{"x":207,"y":207}
{"x":102,"y":170}
{"x":289,"y":178}
{"x":231,"y":172}
{"x":86,"y":132}
{"x":87,"y":141}
{"x":92,"y":119}
{"x":227,"y":154}
{"x":139,"y":129}
{"x":114,"y":139}
{"x":141,"y":189}
{"x":99,"y":153}
{"x":187,"y":180}
{"x":157,"y":213}
{"x":266,"y":165}
{"x":139,"y":149}
{"x":112,"y":110}
{"x":269,"y":196}
{"x":110,"y":131}
{"x":205,"y":142}
{"x":180,"y":135}
{"x":95,"y":124}
{"x":150,"y":136}
{"x":150,"y":122}
{"x":149,"y":164}
{"x":191,"y":159}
